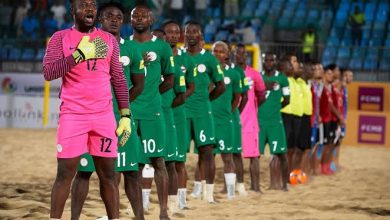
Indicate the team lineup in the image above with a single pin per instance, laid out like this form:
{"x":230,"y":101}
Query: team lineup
{"x":133,"y":107}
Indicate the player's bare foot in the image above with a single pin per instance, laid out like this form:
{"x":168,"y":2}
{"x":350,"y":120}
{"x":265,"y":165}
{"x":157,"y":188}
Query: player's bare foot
{"x":164,"y":217}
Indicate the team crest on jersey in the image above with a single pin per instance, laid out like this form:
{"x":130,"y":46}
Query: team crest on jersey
{"x":201,"y":68}
{"x":227,"y":80}
{"x":152,"y":55}
{"x":250,"y":82}
{"x":83,"y":162}
{"x":125,"y":60}
{"x":183,"y":69}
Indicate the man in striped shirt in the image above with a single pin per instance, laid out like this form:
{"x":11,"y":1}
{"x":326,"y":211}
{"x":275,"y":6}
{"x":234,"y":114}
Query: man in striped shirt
{"x":87,"y":60}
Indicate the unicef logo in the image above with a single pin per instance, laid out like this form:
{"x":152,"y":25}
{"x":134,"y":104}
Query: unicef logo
{"x":125,"y":60}
{"x":226,"y":80}
{"x":8,"y":86}
{"x":201,"y":68}
{"x":152,"y":56}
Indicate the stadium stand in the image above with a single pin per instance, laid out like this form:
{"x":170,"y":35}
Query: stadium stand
{"x":278,"y":26}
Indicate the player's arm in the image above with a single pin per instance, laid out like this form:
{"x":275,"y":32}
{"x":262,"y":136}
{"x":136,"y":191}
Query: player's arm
{"x":236,"y":100}
{"x":190,"y":77}
{"x":55,"y":65}
{"x":179,"y":88}
{"x":260,"y":89}
{"x":217,"y":78}
{"x":335,"y":112}
{"x":284,"y":85}
{"x":237,"y":84}
{"x":244,"y":100}
{"x":137,"y":74}
{"x":167,"y":67}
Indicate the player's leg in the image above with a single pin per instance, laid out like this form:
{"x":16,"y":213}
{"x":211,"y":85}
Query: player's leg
{"x":237,"y":157}
{"x":103,"y":147}
{"x":297,"y":155}
{"x":183,"y":141}
{"x":305,"y":143}
{"x":204,"y":141}
{"x":251,"y":150}
{"x":172,"y":186}
{"x":275,"y":175}
{"x":146,"y":182}
{"x":254,"y":170}
{"x":287,"y":121}
{"x":66,"y":169}
{"x":133,"y":189}
{"x":105,"y":169}
{"x":161,"y":178}
{"x":69,"y":150}
{"x":278,"y":146}
{"x":80,"y":185}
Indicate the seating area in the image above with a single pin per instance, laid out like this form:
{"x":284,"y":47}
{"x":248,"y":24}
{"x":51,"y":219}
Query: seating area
{"x":373,"y":53}
{"x":281,"y":22}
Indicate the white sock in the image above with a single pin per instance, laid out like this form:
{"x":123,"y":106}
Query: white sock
{"x":204,"y":190}
{"x":148,"y":171}
{"x":230,"y":179}
{"x":103,"y":218}
{"x":196,"y":191}
{"x":146,"y":198}
{"x":182,"y":197}
{"x":241,"y":189}
{"x":210,"y":193}
{"x":173,"y":203}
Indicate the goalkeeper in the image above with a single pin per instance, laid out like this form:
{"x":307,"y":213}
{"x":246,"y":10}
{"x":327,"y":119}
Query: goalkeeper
{"x":87,"y":60}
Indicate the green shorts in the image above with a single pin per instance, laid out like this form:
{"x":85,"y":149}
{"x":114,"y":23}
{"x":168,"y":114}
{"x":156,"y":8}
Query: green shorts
{"x":237,"y":139}
{"x":171,"y":136}
{"x":273,"y":133}
{"x":182,"y":137}
{"x":127,"y":159}
{"x":224,"y":136}
{"x":152,"y":135}
{"x":201,"y":130}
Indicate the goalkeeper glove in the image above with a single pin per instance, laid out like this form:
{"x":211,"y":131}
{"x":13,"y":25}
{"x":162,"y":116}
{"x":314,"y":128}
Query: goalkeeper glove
{"x":124,"y":126}
{"x":89,"y":50}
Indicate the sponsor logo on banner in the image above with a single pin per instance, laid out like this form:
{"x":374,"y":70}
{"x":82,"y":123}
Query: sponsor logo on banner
{"x":26,"y":112}
{"x":370,"y":99}
{"x":29,"y":84}
{"x":372,"y":129}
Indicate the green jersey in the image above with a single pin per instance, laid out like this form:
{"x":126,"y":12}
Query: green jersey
{"x":132,"y":62}
{"x":148,"y":104}
{"x":270,"y":109}
{"x":187,"y":72}
{"x":208,"y":70}
{"x":244,"y":84}
{"x":222,"y":106}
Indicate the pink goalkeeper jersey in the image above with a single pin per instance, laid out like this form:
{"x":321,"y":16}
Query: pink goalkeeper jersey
{"x":86,"y":87}
{"x":256,"y":88}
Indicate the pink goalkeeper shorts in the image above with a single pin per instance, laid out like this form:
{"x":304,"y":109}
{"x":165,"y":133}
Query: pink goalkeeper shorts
{"x":94,"y":134}
{"x":250,"y":144}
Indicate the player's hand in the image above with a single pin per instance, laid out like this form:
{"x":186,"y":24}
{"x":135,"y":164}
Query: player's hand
{"x":124,"y":127}
{"x":147,"y":58}
{"x":90,"y":50}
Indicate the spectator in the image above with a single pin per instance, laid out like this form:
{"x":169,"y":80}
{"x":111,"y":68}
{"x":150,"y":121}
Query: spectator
{"x":5,"y":15}
{"x":30,"y":26}
{"x":247,"y":33}
{"x":50,"y":25}
{"x":68,"y":22}
{"x":176,"y":8}
{"x":200,"y":10}
{"x":357,"y":21}
{"x":308,"y":41}
{"x":231,"y":8}
{"x":20,"y":14}
{"x":59,"y":12}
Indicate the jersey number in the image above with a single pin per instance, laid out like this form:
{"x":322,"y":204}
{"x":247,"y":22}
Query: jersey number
{"x":149,"y":146}
{"x":105,"y":144}
{"x":275,"y":144}
{"x":91,"y":64}
{"x":202,"y":137}
{"x":221,"y":145}
{"x":121,"y":158}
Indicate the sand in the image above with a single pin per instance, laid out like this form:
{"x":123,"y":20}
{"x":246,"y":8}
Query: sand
{"x":361,"y":190}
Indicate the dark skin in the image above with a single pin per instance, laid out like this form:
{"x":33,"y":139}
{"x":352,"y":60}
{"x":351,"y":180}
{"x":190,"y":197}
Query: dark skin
{"x":172,"y":37}
{"x":241,"y":55}
{"x":111,"y":20}
{"x":141,"y":20}
{"x":270,"y":70}
{"x":84,"y":14}
{"x":193,"y":37}
{"x":221,"y":52}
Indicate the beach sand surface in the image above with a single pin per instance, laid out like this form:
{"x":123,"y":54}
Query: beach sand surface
{"x":361,"y":190}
